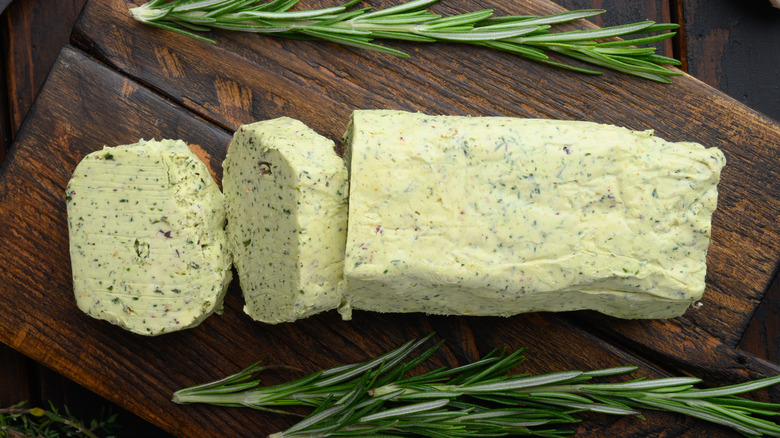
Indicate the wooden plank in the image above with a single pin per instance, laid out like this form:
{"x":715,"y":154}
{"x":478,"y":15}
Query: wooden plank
{"x":13,"y":368}
{"x":6,"y":134}
{"x":762,"y":336}
{"x":25,"y":381}
{"x":34,"y":32}
{"x":321,"y":83}
{"x":734,"y":46}
{"x":244,"y":78}
{"x":69,"y":96}
{"x":37,"y":30}
{"x":718,"y":34}
{"x":50,"y":388}
{"x":84,"y":105}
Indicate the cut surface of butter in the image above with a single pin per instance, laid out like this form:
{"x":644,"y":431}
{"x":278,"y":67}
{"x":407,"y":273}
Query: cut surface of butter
{"x":147,"y":242}
{"x":500,"y":216}
{"x":286,"y":193}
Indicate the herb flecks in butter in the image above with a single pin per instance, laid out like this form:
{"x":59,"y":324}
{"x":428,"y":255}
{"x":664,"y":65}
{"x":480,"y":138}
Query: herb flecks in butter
{"x":126,"y":268}
{"x":499,"y":216}
{"x":286,"y":193}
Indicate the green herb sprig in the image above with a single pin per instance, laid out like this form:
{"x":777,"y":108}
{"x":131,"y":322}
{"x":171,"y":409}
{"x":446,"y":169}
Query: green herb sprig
{"x":525,"y":35}
{"x":18,"y":420}
{"x":380,"y":397}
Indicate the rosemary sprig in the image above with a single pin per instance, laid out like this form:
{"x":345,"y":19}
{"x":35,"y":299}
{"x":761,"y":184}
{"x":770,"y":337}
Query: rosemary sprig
{"x":312,"y":390}
{"x":380,"y":397}
{"x":525,"y":35}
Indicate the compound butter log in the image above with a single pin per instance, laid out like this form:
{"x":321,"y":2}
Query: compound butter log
{"x":500,"y":216}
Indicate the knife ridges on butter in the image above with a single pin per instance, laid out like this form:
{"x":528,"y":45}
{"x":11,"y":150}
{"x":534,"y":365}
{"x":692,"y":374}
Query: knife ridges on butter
{"x":147,"y":240}
{"x":499,"y":216}
{"x":286,"y":192}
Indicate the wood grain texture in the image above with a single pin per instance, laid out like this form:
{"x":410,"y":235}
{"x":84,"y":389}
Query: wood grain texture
{"x":735,"y":47}
{"x":6,"y":134}
{"x":36,"y":31}
{"x":762,"y":336}
{"x":140,"y":373}
{"x":322,"y":83}
{"x":71,"y":95}
{"x":13,"y":368}
{"x":147,"y":82}
{"x":728,"y":45}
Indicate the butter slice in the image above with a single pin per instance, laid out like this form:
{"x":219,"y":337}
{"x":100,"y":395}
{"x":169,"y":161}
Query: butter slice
{"x":500,"y":216}
{"x":286,"y":193}
{"x":147,"y":241}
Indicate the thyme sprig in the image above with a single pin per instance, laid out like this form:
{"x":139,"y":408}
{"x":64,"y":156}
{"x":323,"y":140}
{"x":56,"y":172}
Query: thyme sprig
{"x":21,"y":421}
{"x":381,"y":397}
{"x":528,"y":36}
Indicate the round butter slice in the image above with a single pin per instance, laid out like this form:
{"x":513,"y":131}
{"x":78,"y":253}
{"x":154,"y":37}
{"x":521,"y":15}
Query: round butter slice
{"x":147,"y":241}
{"x":286,"y":200}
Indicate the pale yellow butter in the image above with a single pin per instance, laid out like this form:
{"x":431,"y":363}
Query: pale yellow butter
{"x":147,"y":241}
{"x":286,"y":194}
{"x":499,"y":216}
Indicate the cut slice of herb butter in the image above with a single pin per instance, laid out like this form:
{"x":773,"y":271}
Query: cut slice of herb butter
{"x":286,"y":193}
{"x":147,"y":241}
{"x":499,"y":216}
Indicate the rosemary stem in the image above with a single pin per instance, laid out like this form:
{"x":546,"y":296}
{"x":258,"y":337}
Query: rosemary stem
{"x":146,"y":13}
{"x":378,"y":398}
{"x":239,"y":398}
{"x":79,"y":428}
{"x":257,"y":398}
{"x":372,"y":27}
{"x":524,"y":35}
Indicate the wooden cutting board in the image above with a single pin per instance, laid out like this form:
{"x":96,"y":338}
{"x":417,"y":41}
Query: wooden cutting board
{"x":120,"y":81}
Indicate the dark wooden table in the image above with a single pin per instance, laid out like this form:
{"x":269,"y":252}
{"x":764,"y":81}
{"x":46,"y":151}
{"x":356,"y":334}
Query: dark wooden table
{"x":728,"y":45}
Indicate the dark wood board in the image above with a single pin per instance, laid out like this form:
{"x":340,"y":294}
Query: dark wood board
{"x":31,"y":53}
{"x":16,"y":388}
{"x":140,"y":373}
{"x":727,"y":40}
{"x":125,"y":81}
{"x":321,"y":84}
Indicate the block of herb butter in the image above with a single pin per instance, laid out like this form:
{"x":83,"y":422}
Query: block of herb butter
{"x":147,"y":242}
{"x":285,"y":194}
{"x":500,"y":216}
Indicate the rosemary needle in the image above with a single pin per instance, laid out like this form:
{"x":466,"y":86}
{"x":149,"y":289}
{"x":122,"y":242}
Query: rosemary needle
{"x":380,"y":397}
{"x":527,"y":36}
